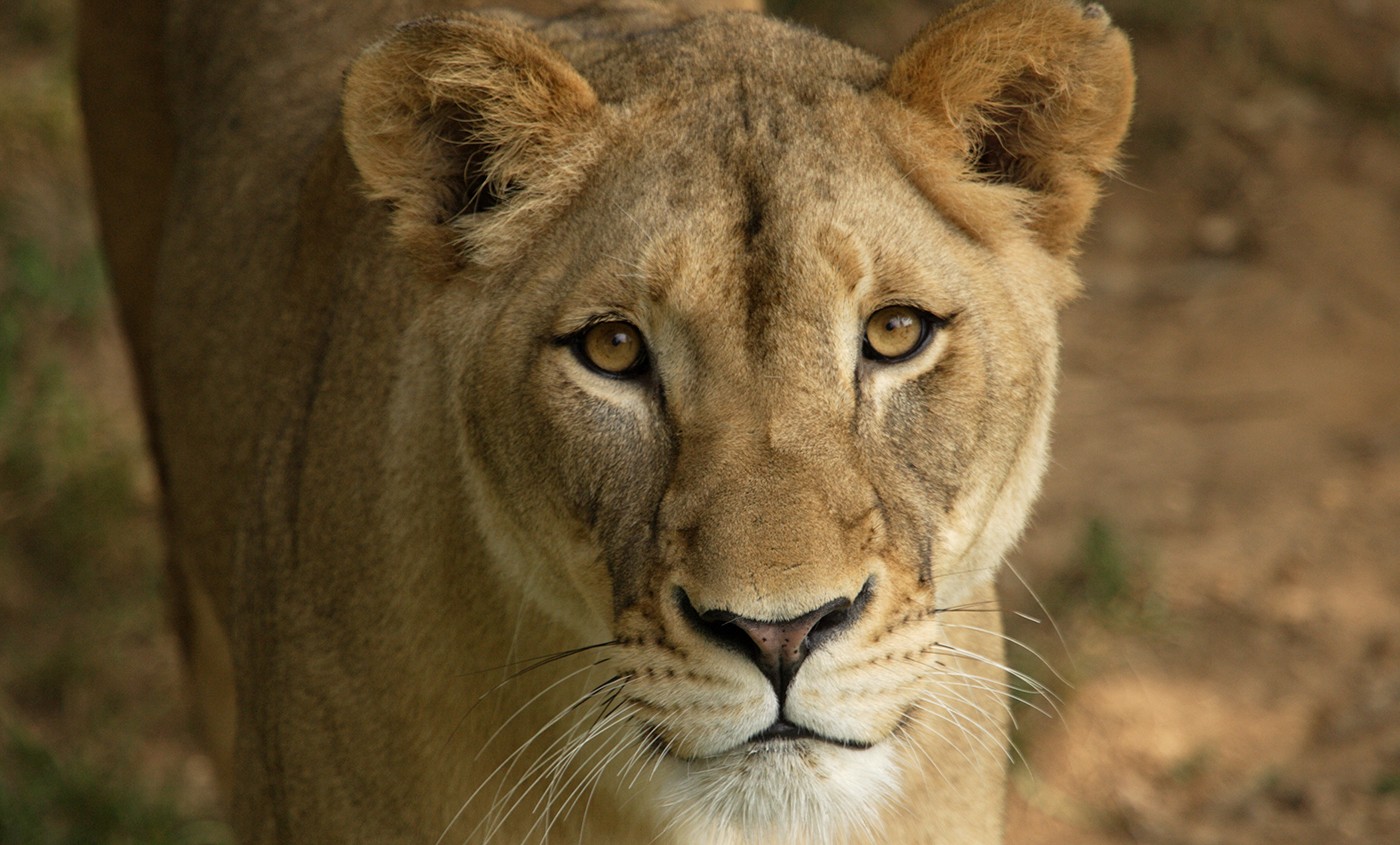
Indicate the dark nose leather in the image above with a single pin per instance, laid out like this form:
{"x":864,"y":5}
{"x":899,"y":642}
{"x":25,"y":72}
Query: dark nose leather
{"x":778,"y":647}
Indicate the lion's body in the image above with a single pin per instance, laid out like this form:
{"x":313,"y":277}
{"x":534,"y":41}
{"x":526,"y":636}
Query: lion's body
{"x":387,"y":479}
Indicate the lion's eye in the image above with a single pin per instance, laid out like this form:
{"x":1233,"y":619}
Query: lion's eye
{"x":897,"y":332}
{"x":613,"y":349}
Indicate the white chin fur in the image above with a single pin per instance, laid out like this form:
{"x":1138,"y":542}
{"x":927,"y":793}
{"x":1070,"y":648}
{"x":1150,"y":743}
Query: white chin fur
{"x":799,"y":792}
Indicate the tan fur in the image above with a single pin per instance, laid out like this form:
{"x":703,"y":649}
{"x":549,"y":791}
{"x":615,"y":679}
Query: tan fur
{"x":391,"y":483}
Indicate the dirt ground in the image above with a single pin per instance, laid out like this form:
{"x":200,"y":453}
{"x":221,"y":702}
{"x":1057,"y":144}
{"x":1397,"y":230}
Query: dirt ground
{"x":1215,"y":562}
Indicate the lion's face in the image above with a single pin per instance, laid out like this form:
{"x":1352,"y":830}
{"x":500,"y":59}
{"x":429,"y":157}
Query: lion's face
{"x":757,"y":457}
{"x":756,"y":402}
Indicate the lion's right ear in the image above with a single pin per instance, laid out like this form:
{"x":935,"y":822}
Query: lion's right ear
{"x":461,"y":121}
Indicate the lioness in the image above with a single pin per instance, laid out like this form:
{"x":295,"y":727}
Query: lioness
{"x":601,"y":428}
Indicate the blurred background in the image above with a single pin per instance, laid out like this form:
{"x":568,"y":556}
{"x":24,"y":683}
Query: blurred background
{"x":1210,"y":588}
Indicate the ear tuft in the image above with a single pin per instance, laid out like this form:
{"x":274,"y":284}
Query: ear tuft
{"x":450,"y":117}
{"x":1038,"y":93}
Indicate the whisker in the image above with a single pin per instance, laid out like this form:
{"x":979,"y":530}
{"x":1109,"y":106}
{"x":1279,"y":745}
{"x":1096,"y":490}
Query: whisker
{"x":607,"y":705}
{"x":577,"y":743}
{"x":597,"y":778}
{"x":977,"y":682}
{"x":958,"y":651}
{"x":588,"y":782}
{"x":924,"y":753}
{"x":1036,"y":686}
{"x":559,"y":755}
{"x":908,"y":742}
{"x":1043,"y":609}
{"x":536,"y":697}
{"x":1000,"y":738}
{"x":540,"y":661}
{"x":638,"y":759}
{"x":557,"y":763}
{"x":544,"y":766}
{"x":604,"y":755}
{"x":982,"y":606}
{"x":537,"y":663}
{"x":919,"y":706}
{"x":520,"y":749}
{"x":1013,"y":641}
{"x":950,"y":679}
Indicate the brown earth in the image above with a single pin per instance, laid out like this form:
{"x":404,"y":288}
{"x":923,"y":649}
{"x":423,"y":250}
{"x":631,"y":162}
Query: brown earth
{"x":1219,"y":541}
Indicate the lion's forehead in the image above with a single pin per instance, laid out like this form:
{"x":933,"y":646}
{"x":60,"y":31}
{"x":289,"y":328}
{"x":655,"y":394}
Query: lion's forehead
{"x":628,"y":57}
{"x":753,"y":242}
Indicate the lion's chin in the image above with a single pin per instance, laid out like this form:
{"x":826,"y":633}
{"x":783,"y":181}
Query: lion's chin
{"x":784,"y":791}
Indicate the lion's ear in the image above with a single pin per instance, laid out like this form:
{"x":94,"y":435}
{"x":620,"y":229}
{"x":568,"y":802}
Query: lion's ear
{"x":449,"y":118}
{"x":1038,"y":94}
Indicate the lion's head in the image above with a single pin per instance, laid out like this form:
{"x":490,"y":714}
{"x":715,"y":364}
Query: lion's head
{"x":741,"y":359}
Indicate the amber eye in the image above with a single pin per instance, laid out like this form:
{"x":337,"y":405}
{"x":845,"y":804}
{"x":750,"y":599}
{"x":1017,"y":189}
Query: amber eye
{"x":897,"y":332}
{"x":613,"y":348}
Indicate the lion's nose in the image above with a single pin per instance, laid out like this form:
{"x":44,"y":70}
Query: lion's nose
{"x":777,"y":647}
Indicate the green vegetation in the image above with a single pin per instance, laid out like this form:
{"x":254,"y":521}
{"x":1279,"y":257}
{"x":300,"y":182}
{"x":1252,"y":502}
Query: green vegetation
{"x":1109,"y":579}
{"x":45,"y":801}
{"x":64,"y":490}
{"x":1191,"y":767}
{"x":1106,"y":568}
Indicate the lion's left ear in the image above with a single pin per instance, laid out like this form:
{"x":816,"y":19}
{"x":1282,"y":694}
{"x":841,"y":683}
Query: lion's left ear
{"x":1038,"y":94}
{"x":458,"y":119}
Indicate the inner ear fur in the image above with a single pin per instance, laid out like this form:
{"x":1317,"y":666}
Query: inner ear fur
{"x":457,"y":120}
{"x":1037,"y":94}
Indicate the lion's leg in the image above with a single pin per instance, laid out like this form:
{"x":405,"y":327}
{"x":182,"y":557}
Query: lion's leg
{"x":208,"y":666}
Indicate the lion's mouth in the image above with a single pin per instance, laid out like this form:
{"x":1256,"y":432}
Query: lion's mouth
{"x":783,"y":730}
{"x":773,"y":737}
